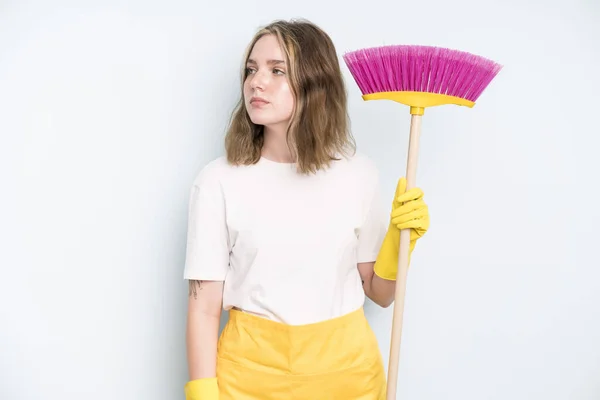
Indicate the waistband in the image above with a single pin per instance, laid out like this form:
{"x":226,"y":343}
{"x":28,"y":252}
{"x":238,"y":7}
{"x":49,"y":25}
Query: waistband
{"x":263,"y":324}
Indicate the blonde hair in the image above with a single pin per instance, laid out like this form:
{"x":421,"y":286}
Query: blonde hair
{"x":319,"y":129}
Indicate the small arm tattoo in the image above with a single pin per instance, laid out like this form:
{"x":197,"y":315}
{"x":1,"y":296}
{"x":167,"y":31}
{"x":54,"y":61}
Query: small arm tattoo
{"x":193,"y":285}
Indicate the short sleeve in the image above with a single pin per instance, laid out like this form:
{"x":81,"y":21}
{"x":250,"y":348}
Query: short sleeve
{"x":207,"y":251}
{"x":375,"y":222}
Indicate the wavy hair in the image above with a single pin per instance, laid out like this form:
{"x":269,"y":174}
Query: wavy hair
{"x":319,"y":129}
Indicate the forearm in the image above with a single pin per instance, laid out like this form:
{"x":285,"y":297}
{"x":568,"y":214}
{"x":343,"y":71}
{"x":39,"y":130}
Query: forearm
{"x":201,"y":339}
{"x":382,"y":291}
{"x":202,"y":331}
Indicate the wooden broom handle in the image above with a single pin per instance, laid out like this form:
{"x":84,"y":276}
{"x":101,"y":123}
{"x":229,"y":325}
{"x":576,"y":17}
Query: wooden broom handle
{"x":400,"y":294}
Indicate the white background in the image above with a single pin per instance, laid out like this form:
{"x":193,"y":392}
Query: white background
{"x":109,"y":109}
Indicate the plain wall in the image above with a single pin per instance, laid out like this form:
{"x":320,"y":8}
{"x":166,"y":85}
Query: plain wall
{"x":109,"y":109}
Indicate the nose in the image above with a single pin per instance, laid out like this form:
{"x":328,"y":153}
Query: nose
{"x":258,"y":80}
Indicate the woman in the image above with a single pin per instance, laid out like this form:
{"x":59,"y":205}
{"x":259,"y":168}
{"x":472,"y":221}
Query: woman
{"x":287,"y":232}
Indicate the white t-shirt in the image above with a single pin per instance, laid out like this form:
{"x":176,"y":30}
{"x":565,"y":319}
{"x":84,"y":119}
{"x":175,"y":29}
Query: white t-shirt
{"x":286,"y":245}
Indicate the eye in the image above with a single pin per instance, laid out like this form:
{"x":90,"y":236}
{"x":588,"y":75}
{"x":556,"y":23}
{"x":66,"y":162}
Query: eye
{"x":278,"y":72}
{"x":249,"y":70}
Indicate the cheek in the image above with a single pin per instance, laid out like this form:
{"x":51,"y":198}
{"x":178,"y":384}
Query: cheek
{"x":246,"y":87}
{"x":287,"y":98}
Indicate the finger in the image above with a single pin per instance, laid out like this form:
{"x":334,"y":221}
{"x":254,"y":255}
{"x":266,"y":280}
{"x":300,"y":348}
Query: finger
{"x":415,"y":221}
{"x":415,"y":224}
{"x":408,"y":208}
{"x":417,"y":227}
{"x":409,"y":195}
{"x":407,"y":218}
{"x":400,"y":187}
{"x":416,"y":234}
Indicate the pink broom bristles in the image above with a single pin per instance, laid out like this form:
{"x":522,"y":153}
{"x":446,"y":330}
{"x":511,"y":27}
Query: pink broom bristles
{"x":421,"y":69}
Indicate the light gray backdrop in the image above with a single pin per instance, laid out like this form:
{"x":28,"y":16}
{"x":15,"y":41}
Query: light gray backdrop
{"x":108,"y":110}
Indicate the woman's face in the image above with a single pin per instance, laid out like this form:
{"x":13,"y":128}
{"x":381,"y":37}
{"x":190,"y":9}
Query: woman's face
{"x":267,"y":93}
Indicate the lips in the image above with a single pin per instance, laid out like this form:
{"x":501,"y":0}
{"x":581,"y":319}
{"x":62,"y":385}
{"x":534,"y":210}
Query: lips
{"x":258,"y":101}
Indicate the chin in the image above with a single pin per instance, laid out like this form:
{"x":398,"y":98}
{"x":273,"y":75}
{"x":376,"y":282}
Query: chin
{"x":260,"y":119}
{"x":264,"y":117}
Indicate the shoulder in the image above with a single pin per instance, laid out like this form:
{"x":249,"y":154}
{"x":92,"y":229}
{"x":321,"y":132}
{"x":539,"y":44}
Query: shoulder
{"x":362,"y":167}
{"x":213,"y":172}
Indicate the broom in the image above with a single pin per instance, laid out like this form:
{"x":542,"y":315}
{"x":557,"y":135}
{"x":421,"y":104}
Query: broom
{"x":419,"y":77}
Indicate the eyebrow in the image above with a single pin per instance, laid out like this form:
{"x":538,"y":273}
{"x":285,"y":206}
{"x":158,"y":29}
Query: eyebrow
{"x":270,"y":62}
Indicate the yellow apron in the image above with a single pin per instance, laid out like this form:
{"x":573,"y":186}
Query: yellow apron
{"x":260,"y":359}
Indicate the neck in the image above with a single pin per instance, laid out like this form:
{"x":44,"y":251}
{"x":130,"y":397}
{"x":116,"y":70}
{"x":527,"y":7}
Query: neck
{"x":275,"y":147}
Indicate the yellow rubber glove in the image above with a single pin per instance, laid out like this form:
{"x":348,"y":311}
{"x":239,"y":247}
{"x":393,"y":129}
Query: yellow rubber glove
{"x":409,"y":211}
{"x":202,"y":389}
